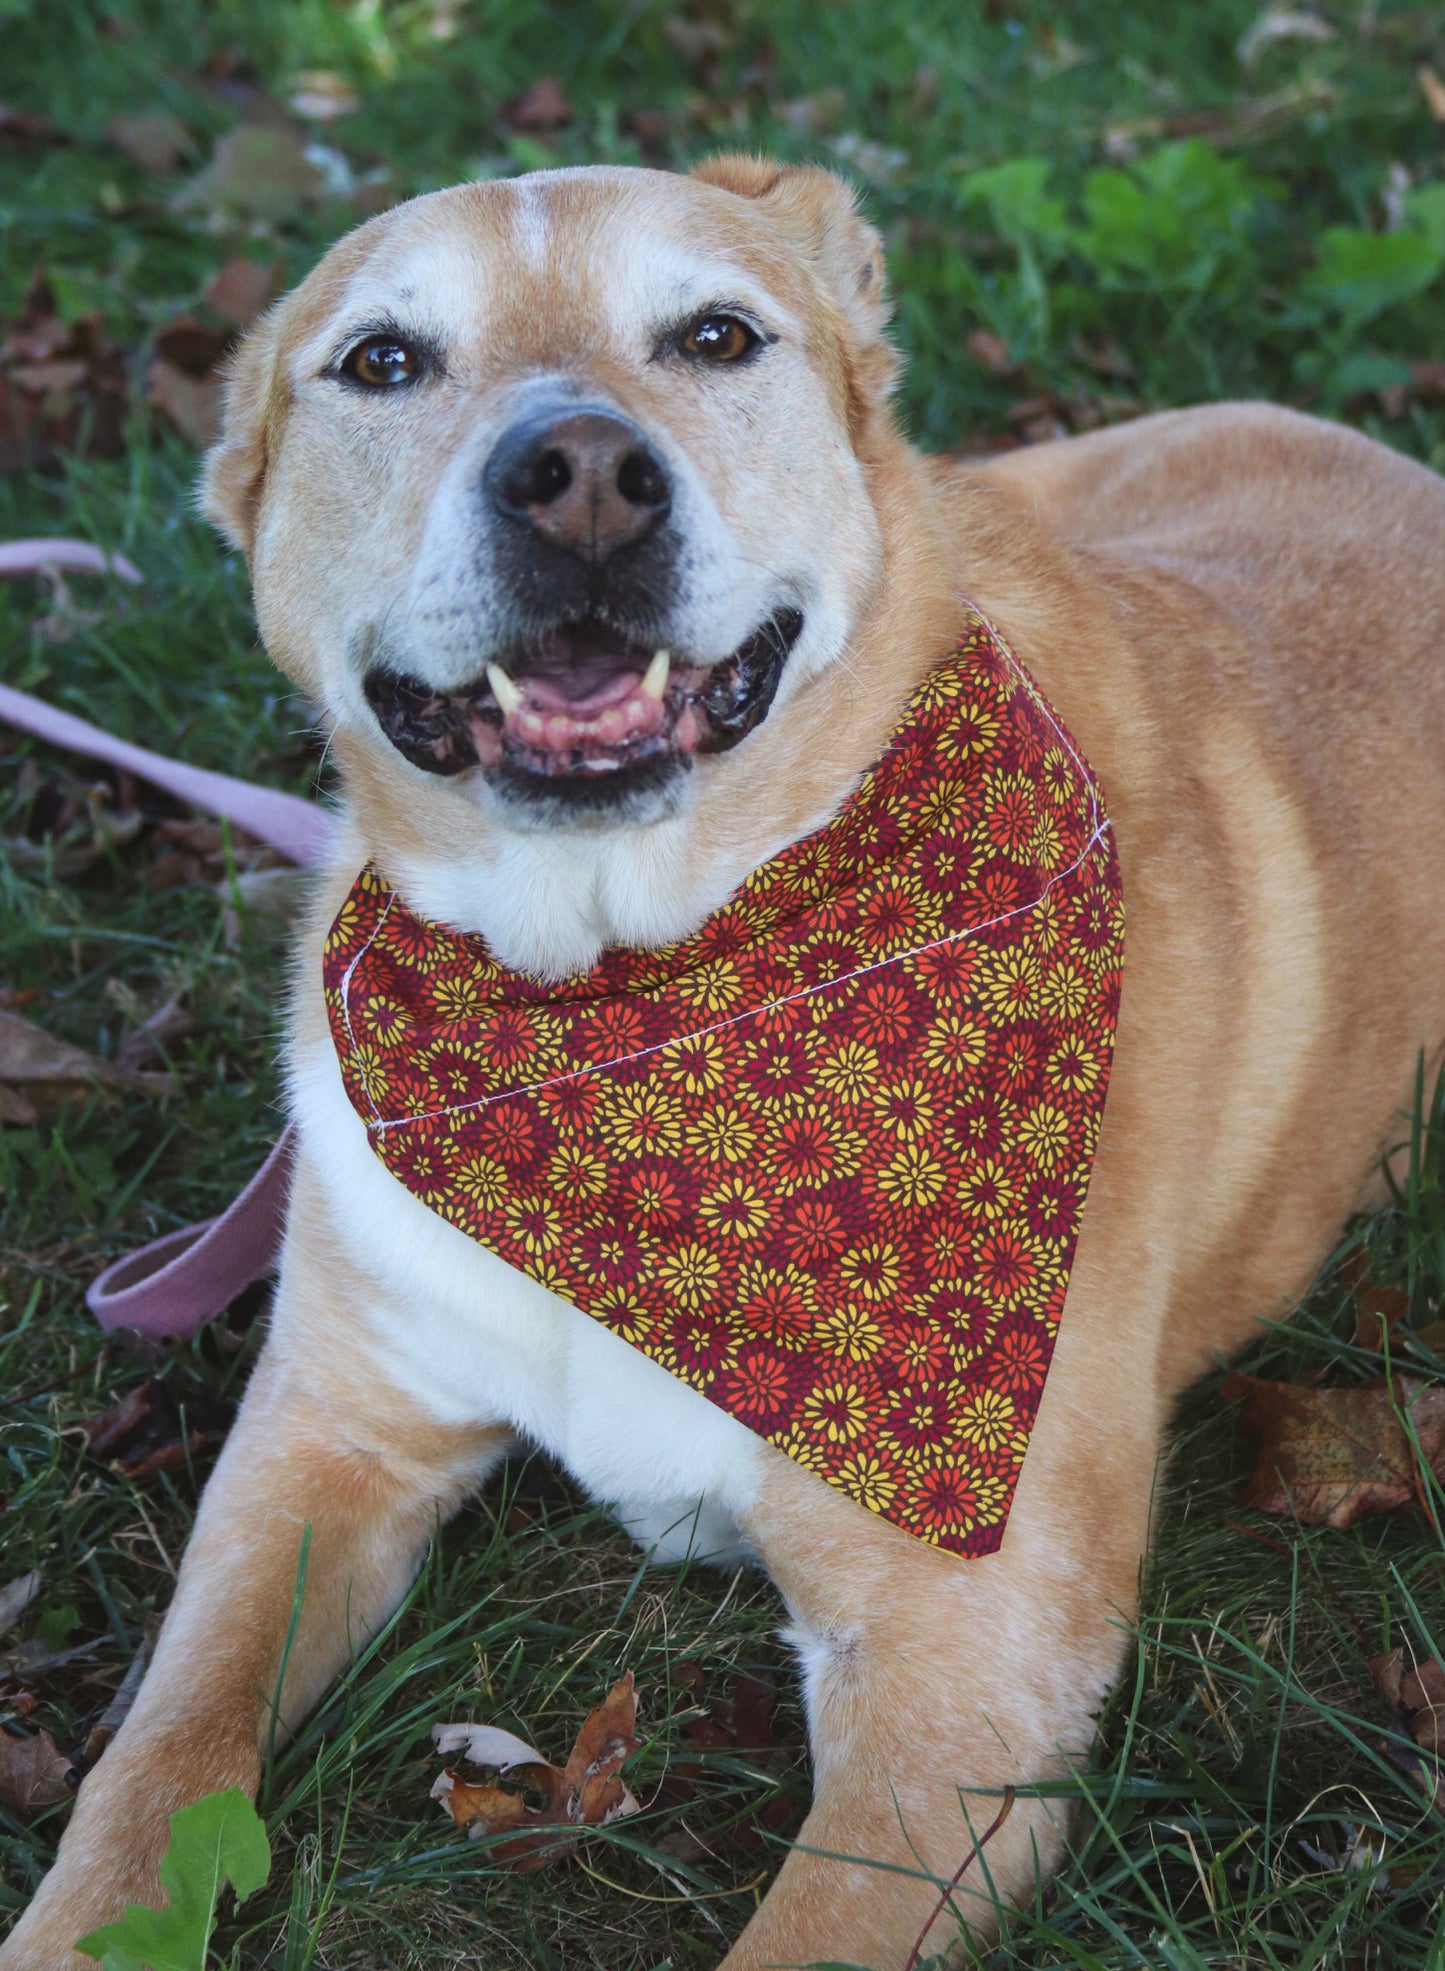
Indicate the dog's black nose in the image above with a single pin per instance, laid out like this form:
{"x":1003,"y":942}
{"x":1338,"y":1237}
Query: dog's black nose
{"x":587,"y":480}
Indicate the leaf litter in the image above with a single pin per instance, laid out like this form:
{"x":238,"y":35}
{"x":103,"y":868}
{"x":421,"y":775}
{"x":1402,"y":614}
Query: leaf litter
{"x":588,"y":1791}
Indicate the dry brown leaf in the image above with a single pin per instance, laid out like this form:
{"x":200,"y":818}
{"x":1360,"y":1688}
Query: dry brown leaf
{"x":192,"y":403}
{"x":1378,"y":1312}
{"x":1329,"y":1455}
{"x":539,"y":109}
{"x":1417,"y":1738}
{"x":62,"y":384}
{"x":43,"y":1070}
{"x":156,"y":1037}
{"x":1281,"y":24}
{"x":240,"y":289}
{"x":991,"y":352}
{"x":587,"y":1792}
{"x":32,"y":1773}
{"x":257,"y":171}
{"x":144,"y":1432}
{"x":24,"y":130}
{"x":156,"y":143}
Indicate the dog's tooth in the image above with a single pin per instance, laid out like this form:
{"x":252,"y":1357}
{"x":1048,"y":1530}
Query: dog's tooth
{"x":505,"y":690}
{"x":654,"y":678}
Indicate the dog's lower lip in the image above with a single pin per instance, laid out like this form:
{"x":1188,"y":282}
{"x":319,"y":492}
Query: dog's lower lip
{"x":583,"y":705}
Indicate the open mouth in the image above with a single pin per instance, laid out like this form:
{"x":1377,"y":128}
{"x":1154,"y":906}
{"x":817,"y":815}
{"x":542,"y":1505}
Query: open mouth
{"x":585,"y":701}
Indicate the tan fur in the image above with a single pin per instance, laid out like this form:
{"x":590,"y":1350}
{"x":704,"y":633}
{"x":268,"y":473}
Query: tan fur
{"x":1241,"y":615}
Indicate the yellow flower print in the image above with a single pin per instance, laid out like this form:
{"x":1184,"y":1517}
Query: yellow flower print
{"x":912,"y":1177}
{"x":483,"y":1181}
{"x":986,"y":1189}
{"x":736,"y":1209}
{"x":1064,"y":993}
{"x":1059,"y":775}
{"x":690,"y":1274}
{"x":625,"y":1314}
{"x":837,"y":1412}
{"x":851,"y":1331}
{"x":385,"y":1018}
{"x":372,"y":1072}
{"x":1010,"y":982}
{"x":941,"y":803}
{"x":851,"y":1073}
{"x":1074,"y":1067}
{"x":992,"y":1494}
{"x":578,"y":1171}
{"x":458,"y":999}
{"x":535,"y":1224}
{"x":905,"y":1108}
{"x":954,"y":1044}
{"x":635,"y":1120}
{"x":1046,"y":843}
{"x":1044,"y":1135}
{"x":873,"y":1270}
{"x":864,"y":1478}
{"x":713,"y":987}
{"x":697,"y":1065}
{"x":804,"y":1449}
{"x":987,"y":1420}
{"x":723,"y":1135}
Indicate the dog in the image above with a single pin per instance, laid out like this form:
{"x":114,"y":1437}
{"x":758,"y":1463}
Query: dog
{"x":602,"y":413}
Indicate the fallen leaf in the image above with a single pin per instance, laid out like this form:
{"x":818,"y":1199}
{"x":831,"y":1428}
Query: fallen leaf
{"x":1328,"y":1455}
{"x":192,"y":403}
{"x":1427,"y":379}
{"x":587,"y":1792}
{"x":241,"y":289}
{"x":257,"y":171}
{"x":32,"y":1773}
{"x":1378,"y":1312}
{"x":539,"y":109}
{"x":1417,"y":1738}
{"x":144,"y":1432}
{"x":991,"y":352}
{"x":1433,"y":90}
{"x":15,"y":1597}
{"x":44,"y":1070}
{"x":320,"y":96}
{"x":156,"y":143}
{"x":62,"y":384}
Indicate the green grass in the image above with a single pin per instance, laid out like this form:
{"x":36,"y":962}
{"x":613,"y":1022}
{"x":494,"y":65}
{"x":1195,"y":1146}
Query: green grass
{"x":1142,"y":221}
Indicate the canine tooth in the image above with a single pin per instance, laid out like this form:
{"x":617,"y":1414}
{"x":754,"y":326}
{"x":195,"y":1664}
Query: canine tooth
{"x":505,"y":690}
{"x":654,"y":678}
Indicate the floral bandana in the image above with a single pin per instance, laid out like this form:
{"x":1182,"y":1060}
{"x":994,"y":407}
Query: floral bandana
{"x":825,"y":1158}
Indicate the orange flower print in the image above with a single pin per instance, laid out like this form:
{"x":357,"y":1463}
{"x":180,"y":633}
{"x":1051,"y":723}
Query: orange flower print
{"x":1021,"y":1359}
{"x":1007,"y":1268}
{"x":885,"y":1015}
{"x":824,"y":1158}
{"x":815,"y":1233}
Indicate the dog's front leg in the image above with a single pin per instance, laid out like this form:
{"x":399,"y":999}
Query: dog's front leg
{"x":320,"y":1442}
{"x":932,"y":1683}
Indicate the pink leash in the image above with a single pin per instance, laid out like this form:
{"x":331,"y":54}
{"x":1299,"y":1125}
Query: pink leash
{"x":172,"y":1285}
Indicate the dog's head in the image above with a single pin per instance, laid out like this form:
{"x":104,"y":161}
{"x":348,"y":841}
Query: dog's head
{"x":553,"y":488}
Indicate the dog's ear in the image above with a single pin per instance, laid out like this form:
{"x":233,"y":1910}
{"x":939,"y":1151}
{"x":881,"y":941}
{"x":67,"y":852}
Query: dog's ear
{"x":235,"y":467}
{"x":818,"y":213}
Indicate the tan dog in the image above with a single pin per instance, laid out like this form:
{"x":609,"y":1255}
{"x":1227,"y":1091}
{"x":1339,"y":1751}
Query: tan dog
{"x":1240,"y":613}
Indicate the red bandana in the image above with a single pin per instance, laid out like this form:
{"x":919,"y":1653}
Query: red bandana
{"x":825,"y":1158}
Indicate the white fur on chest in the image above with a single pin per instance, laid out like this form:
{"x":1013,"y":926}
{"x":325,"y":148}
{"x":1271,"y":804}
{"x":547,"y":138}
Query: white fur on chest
{"x":471,"y":1339}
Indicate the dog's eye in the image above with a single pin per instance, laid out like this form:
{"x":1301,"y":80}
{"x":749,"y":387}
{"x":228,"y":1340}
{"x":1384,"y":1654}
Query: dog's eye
{"x":720,"y":339}
{"x":381,"y":363}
